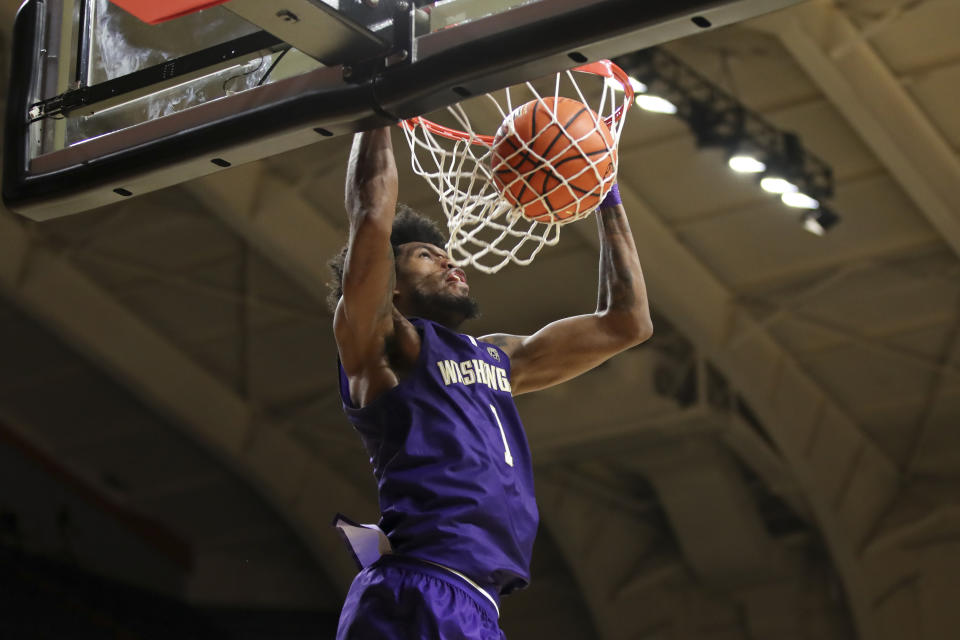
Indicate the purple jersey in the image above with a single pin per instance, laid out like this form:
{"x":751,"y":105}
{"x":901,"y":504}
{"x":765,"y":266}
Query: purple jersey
{"x":452,"y":462}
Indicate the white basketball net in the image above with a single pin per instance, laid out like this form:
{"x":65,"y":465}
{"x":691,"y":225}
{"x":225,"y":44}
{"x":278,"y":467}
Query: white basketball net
{"x":487,"y":230}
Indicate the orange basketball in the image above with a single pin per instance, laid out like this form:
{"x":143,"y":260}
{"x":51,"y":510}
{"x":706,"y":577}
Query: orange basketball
{"x":554,"y":158}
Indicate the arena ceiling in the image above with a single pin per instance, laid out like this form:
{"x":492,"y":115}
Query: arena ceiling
{"x":782,"y":459}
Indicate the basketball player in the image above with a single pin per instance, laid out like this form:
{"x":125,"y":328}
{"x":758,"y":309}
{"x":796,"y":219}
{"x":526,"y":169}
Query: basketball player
{"x":435,"y":411}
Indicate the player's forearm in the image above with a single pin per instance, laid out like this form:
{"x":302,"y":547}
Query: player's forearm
{"x":622,"y":293}
{"x":371,"y":187}
{"x":368,"y":272}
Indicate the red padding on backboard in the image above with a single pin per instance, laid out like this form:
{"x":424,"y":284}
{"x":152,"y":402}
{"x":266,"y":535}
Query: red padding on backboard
{"x":152,"y":11}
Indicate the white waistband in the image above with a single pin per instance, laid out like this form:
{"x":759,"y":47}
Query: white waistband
{"x":469,"y":581}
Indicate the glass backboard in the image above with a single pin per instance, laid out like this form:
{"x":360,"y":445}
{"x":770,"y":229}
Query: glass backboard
{"x":104,"y":106}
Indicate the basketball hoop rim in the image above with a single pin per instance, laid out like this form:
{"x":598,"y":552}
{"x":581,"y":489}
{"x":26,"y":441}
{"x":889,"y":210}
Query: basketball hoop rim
{"x":604,"y":68}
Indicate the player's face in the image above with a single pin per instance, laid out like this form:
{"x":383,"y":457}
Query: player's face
{"x":430,"y":285}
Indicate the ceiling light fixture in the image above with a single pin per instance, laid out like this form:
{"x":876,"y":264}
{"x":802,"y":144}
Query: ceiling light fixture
{"x":613,"y":83}
{"x":656,"y":104}
{"x":745,"y":163}
{"x":820,"y":221}
{"x":778,"y":185}
{"x":718,"y":119}
{"x":799,"y":200}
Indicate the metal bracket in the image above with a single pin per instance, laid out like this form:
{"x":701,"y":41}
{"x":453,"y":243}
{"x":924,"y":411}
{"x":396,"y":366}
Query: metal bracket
{"x":402,"y":51}
{"x":318,"y":30}
{"x":151,"y":79}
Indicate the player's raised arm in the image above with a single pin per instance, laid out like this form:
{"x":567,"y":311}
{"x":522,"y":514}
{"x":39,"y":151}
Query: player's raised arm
{"x":362,"y":318}
{"x":566,"y":348}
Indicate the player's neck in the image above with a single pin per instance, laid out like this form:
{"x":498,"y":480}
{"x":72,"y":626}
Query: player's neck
{"x":447,"y":311}
{"x":449,"y":320}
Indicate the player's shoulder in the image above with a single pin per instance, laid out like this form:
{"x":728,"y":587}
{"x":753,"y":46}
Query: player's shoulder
{"x":506,"y":342}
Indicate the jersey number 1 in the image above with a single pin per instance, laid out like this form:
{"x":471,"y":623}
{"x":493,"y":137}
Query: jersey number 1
{"x":506,"y":447}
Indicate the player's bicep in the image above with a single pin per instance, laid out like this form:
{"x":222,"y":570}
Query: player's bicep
{"x":369,"y":272}
{"x":363,"y":315}
{"x":558,"y":352}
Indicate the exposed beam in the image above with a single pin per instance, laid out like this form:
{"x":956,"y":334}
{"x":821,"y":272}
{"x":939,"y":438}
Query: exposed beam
{"x":946,"y":368}
{"x":764,"y":284}
{"x":839,"y":60}
{"x":930,"y":320}
{"x":935,"y":394}
{"x":797,"y":299}
{"x":648,"y":432}
{"x":179,"y":278}
{"x":602,"y":545}
{"x":940,"y":525}
{"x":302,"y":487}
{"x":701,"y":489}
{"x":915,"y":400}
{"x":618,"y":556}
{"x":763,"y":460}
{"x":275,"y":219}
{"x":626,"y":436}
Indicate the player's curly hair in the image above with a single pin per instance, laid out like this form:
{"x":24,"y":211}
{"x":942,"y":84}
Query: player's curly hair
{"x":408,"y":226}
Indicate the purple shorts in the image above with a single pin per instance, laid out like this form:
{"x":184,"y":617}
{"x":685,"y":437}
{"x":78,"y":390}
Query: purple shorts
{"x":399,"y":598}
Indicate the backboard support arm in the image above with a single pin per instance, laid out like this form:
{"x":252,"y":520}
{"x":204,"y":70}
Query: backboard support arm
{"x":87,"y":100}
{"x":316,"y":29}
